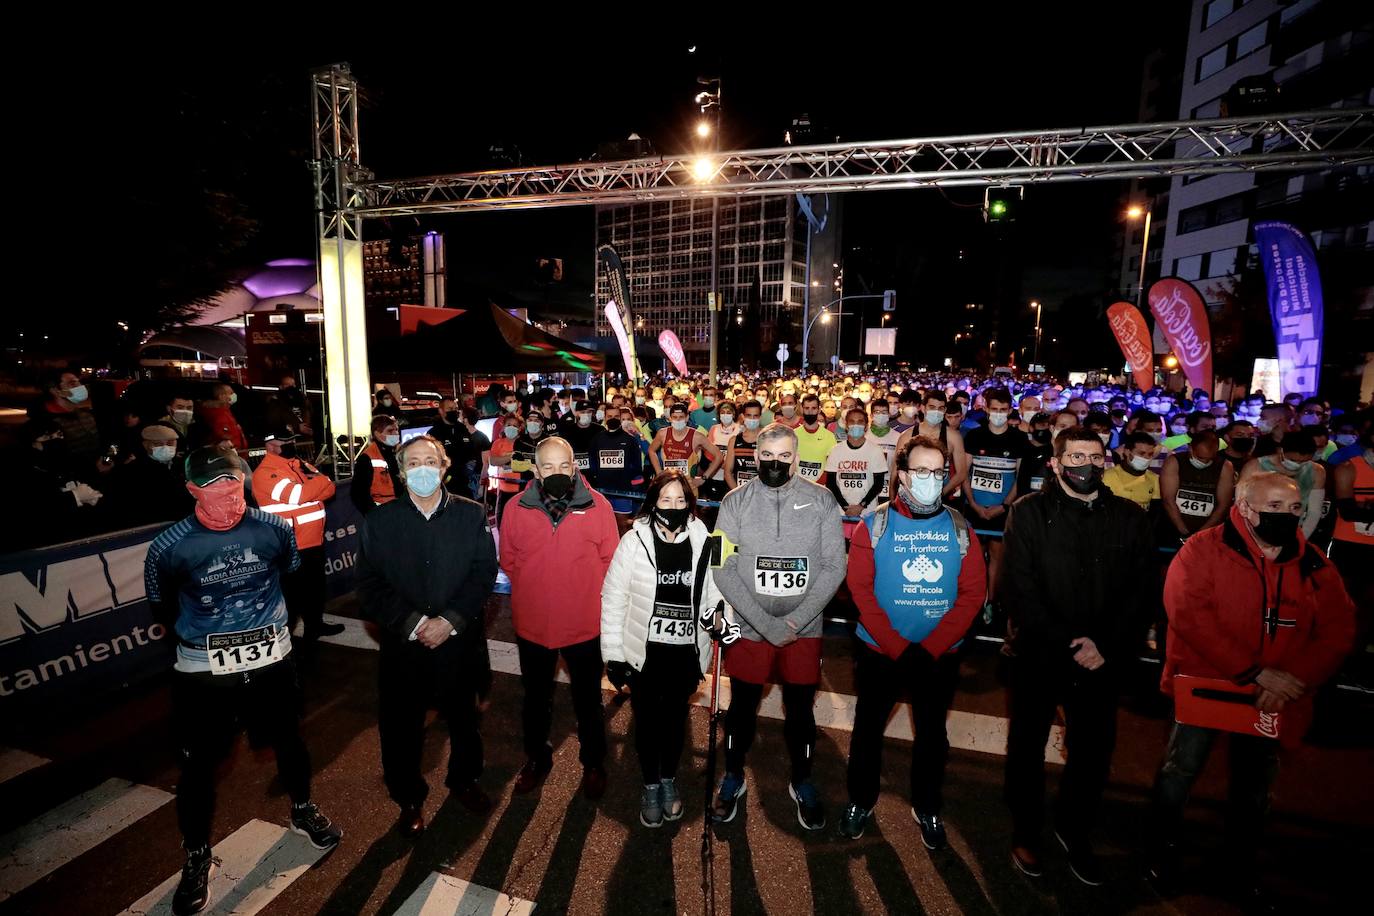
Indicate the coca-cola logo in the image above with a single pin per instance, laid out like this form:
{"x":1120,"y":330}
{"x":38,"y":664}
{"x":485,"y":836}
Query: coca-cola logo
{"x":1175,"y":315}
{"x":1137,"y":354}
{"x":1268,"y":724}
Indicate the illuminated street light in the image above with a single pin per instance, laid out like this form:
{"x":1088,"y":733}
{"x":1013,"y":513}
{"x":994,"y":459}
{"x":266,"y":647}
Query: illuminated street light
{"x":1171,"y":362}
{"x":703,"y":169}
{"x":703,"y":129}
{"x":1135,"y":212}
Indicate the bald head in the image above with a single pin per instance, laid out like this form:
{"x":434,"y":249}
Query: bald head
{"x":1269,"y":492}
{"x":554,"y":456}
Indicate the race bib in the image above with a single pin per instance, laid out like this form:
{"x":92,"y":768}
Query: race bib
{"x":985,"y":481}
{"x":609,"y":460}
{"x":584,"y":464}
{"x":246,"y":650}
{"x":1365,"y":529}
{"x":1196,"y":503}
{"x":744,"y":477}
{"x":809,"y":470}
{"x":1037,"y":484}
{"x":781,"y":577}
{"x":675,"y":464}
{"x":672,"y":625}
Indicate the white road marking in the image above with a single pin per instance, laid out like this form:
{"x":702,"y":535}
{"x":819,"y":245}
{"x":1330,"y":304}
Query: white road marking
{"x":444,"y":895}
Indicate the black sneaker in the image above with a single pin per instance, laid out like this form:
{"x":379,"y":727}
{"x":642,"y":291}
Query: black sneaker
{"x":932,"y":830}
{"x":310,"y":822}
{"x":1082,"y":861}
{"x":193,"y":890}
{"x":728,"y":797}
{"x":810,"y":814}
{"x":854,"y":821}
{"x":323,"y":629}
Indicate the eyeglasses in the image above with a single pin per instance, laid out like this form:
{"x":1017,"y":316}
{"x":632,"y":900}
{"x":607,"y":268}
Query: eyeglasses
{"x":926,"y":473}
{"x":1077,"y":459}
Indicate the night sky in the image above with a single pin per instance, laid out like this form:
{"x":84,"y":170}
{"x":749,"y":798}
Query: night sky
{"x":239,"y":122}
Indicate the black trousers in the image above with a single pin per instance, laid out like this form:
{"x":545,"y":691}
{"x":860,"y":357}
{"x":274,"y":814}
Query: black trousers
{"x":411,"y":680}
{"x":304,"y":589}
{"x":1254,"y":764}
{"x":537,"y":665}
{"x":798,"y":726}
{"x":879,"y":681}
{"x":659,"y":697}
{"x":208,"y":713}
{"x":1089,"y":699}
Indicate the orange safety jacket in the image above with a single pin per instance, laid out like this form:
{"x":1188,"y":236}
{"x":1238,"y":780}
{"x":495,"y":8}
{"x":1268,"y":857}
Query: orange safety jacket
{"x":296,"y":492}
{"x":383,"y":490}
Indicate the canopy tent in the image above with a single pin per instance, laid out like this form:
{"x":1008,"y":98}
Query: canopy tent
{"x":482,"y":339}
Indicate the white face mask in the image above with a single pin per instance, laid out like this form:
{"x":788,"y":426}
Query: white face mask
{"x":1199,"y":463}
{"x":183,"y":416}
{"x":708,"y":401}
{"x":679,"y":425}
{"x":997,"y":418}
{"x":600,"y":415}
{"x":1027,"y":415}
{"x":1139,"y":464}
{"x":751,"y":422}
{"x":935,"y":417}
{"x":584,"y":420}
{"x":727,"y":419}
{"x":880,"y":421}
{"x":909,"y":412}
{"x":925,"y":492}
{"x":1106,"y":438}
{"x":789,"y":410}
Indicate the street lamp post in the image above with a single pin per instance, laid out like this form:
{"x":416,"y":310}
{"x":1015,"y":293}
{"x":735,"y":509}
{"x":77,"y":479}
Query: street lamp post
{"x":710,"y":101}
{"x":1134,"y":213}
{"x":824,"y":317}
{"x":1038,"y":308}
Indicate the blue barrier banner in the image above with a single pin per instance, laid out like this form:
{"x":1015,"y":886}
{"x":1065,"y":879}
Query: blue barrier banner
{"x":74,"y":619}
{"x":342,"y":524}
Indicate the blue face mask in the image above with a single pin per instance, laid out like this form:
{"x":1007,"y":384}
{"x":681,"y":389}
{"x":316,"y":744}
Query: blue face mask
{"x":857,"y":431}
{"x":423,"y":480}
{"x":78,"y":394}
{"x":164,"y":453}
{"x":392,"y":441}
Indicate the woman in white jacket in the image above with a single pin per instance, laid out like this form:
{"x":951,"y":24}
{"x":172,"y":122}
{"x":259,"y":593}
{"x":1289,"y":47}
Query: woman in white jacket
{"x":658,"y":585}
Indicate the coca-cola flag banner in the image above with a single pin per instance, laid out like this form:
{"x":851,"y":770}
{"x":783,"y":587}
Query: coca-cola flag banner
{"x":672,"y":348}
{"x":1134,"y":337}
{"x":1177,"y":306}
{"x":1295,"y":304}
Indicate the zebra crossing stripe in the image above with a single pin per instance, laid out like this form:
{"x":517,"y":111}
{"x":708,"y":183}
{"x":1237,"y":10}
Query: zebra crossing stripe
{"x":257,"y":862}
{"x":74,"y":827}
{"x":444,"y":895}
{"x":14,"y":762}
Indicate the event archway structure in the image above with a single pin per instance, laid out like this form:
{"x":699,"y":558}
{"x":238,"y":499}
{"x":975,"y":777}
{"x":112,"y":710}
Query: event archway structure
{"x":346,"y":193}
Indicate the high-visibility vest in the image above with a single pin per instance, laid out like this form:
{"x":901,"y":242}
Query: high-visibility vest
{"x":283,"y":488}
{"x":383,"y":490}
{"x":1358,"y":532}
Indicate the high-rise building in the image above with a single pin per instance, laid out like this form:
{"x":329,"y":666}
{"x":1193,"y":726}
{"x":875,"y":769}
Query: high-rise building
{"x":665,"y":247}
{"x":1316,"y":54}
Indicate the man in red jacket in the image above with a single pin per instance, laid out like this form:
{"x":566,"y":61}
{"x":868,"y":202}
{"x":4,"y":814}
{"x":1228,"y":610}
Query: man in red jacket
{"x":557,"y":541}
{"x":1250,"y":602}
{"x":917,"y":574}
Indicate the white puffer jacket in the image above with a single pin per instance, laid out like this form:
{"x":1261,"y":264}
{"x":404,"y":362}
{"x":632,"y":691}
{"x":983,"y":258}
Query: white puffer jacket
{"x":627,"y":595}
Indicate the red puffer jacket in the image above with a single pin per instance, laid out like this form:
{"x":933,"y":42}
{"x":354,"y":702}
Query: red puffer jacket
{"x":1233,"y":613}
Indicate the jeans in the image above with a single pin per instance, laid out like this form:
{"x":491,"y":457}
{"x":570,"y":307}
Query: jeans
{"x":879,"y":680}
{"x":537,"y":664}
{"x":1254,"y":765}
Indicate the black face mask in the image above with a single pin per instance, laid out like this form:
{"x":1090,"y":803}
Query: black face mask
{"x":613,"y":426}
{"x":452,"y":417}
{"x":1278,"y":529}
{"x":775,"y":473}
{"x":557,"y":485}
{"x":288,"y":450}
{"x":1084,"y":479}
{"x":1042,"y":436}
{"x":811,"y":418}
{"x":672,"y":519}
{"x":1242,"y":446}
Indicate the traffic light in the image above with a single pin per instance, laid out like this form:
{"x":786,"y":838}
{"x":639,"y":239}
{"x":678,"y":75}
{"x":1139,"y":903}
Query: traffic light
{"x":1000,"y":205}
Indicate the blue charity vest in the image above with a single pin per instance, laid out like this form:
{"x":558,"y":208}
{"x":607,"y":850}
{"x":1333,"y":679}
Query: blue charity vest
{"x":916,"y":573}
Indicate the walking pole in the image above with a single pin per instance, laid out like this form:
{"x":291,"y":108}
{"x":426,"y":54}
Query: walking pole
{"x":707,"y":853}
